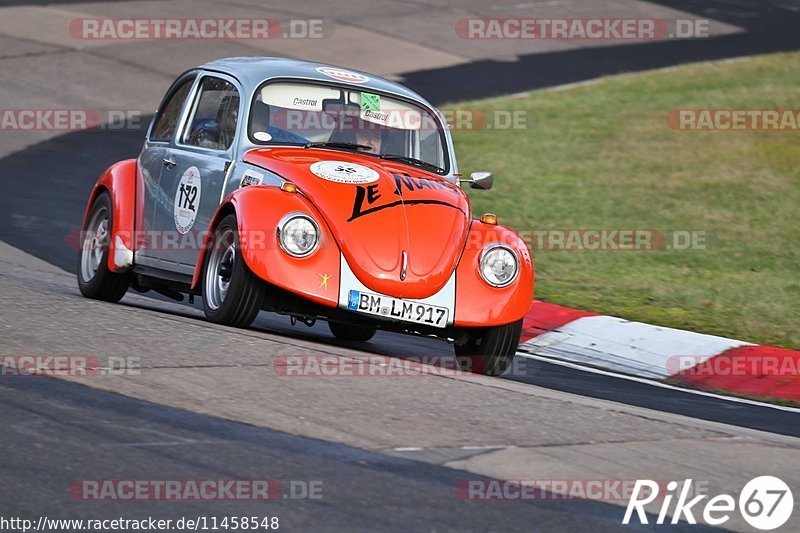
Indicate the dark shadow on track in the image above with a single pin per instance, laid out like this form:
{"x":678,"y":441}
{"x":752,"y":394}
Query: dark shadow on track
{"x":769,"y":26}
{"x":46,"y":187}
{"x":617,"y":389}
{"x":86,"y":434}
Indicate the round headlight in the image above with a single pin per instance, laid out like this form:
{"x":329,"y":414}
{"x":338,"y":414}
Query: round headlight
{"x":499,"y":265}
{"x":298,"y":235}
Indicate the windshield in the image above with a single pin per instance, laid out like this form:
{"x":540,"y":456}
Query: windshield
{"x":304,"y":113}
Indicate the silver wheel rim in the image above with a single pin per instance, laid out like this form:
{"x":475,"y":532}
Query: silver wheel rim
{"x":219,"y":269}
{"x":95,"y":242}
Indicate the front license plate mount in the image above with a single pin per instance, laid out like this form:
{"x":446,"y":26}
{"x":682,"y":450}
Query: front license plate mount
{"x":392,"y":308}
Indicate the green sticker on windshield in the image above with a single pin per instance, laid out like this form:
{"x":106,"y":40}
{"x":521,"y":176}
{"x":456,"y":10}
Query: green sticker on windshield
{"x":370,"y":102}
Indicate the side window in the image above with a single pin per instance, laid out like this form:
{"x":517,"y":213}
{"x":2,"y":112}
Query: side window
{"x":213,"y":121}
{"x":164,"y":127}
{"x":430,"y":147}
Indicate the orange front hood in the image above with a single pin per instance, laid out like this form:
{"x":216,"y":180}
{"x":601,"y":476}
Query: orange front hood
{"x":388,"y":208}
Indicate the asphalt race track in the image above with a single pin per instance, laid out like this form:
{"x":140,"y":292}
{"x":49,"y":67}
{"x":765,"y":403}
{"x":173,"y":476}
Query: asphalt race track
{"x":373,"y":491}
{"x":210,"y":402}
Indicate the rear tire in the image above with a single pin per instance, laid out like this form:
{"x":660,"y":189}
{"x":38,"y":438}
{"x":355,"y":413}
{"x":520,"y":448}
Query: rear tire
{"x":350,"y":332}
{"x":232,"y":294}
{"x":489,"y":351}
{"x":95,"y":280}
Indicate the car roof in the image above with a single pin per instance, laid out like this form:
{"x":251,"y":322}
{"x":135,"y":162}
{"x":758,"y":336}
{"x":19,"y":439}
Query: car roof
{"x":251,"y":71}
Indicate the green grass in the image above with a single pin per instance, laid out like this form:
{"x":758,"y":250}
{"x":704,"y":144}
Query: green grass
{"x":602,"y":156}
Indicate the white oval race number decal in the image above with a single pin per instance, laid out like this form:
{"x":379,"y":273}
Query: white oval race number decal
{"x":187,"y":200}
{"x":343,"y":172}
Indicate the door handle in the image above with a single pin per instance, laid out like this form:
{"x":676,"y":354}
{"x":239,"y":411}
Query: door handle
{"x":169,"y":162}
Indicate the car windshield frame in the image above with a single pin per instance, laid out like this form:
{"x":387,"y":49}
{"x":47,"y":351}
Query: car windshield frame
{"x":440,"y":125}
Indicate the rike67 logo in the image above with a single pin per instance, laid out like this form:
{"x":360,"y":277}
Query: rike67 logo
{"x":765,"y":503}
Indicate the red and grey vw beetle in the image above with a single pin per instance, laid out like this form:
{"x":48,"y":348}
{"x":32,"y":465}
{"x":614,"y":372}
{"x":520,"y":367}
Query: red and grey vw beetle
{"x":313,"y":191}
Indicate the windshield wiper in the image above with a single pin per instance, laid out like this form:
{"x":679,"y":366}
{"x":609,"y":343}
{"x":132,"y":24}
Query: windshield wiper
{"x":392,"y":157}
{"x":412,"y":161}
{"x":329,"y":144}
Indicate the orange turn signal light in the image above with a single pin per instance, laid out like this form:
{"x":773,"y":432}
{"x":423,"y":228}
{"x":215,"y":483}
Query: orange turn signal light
{"x":489,"y":218}
{"x":288,"y":186}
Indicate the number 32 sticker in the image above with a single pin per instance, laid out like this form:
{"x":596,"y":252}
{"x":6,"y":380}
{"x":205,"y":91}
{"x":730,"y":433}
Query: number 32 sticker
{"x":187,"y":200}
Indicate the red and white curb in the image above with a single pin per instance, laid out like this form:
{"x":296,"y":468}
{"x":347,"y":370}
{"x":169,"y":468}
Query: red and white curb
{"x":633,"y":348}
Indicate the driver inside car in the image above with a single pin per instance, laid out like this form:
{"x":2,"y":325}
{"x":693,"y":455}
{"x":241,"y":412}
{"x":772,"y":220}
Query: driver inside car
{"x":369,"y":135}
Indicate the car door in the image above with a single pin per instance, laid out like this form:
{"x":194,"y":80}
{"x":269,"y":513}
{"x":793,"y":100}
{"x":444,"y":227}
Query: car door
{"x":151,"y":163}
{"x":199,"y":160}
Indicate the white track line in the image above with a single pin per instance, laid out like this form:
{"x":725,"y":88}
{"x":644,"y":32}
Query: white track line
{"x":655,"y":383}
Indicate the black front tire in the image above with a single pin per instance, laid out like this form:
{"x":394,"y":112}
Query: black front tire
{"x":95,"y":280}
{"x":489,"y":351}
{"x":232,"y":294}
{"x":350,"y":332}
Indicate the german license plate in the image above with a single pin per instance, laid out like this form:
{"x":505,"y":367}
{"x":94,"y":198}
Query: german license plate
{"x":397,"y":309}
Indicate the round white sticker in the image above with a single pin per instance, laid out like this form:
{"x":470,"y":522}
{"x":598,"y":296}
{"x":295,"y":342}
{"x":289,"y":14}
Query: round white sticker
{"x":187,"y":200}
{"x":342,"y":172}
{"x":343,"y":75}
